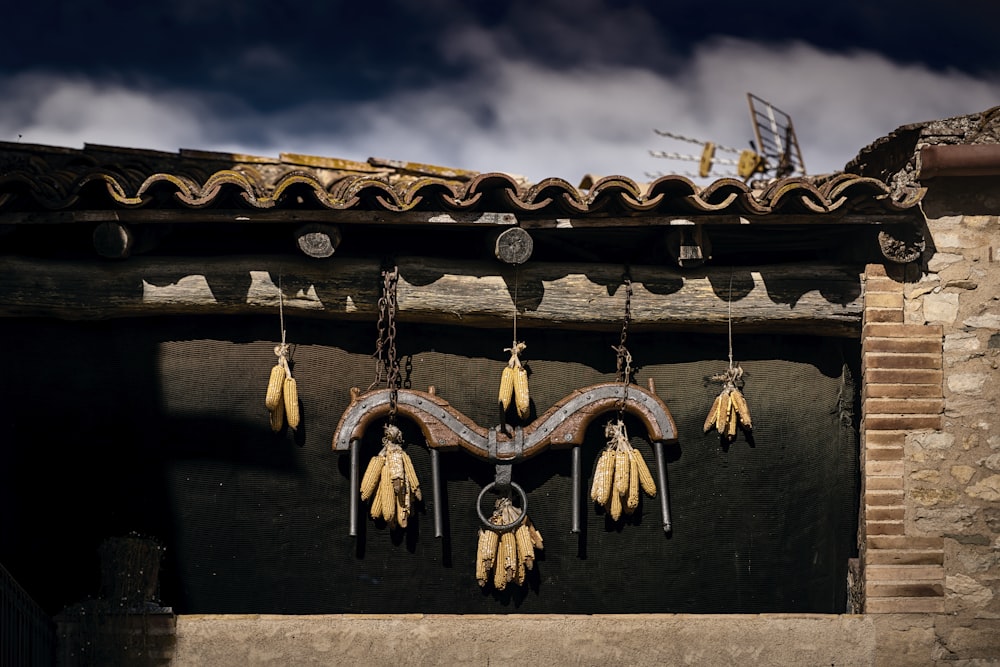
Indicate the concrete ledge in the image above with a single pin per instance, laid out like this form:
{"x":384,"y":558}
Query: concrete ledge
{"x":416,"y":639}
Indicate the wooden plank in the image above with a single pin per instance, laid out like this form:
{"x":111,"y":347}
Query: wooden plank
{"x":816,"y":299}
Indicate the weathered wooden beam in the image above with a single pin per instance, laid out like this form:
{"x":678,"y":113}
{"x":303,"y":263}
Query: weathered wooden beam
{"x":151,"y":216}
{"x":824,"y":299}
{"x":139,"y":216}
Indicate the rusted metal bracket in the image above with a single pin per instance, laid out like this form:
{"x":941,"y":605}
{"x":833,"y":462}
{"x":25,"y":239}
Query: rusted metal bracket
{"x":563,"y":426}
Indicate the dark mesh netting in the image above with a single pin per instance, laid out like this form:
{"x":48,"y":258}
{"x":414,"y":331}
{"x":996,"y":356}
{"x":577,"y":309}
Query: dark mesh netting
{"x":158,"y":427}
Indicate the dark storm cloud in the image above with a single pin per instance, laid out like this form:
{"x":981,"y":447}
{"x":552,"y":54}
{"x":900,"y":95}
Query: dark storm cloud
{"x":275,"y":53}
{"x":539,"y":88}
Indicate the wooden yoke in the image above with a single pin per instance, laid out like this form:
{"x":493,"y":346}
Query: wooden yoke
{"x":562,"y":426}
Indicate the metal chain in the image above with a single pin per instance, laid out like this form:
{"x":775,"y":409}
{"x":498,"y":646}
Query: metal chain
{"x":624,"y":360}
{"x":386,"y":361}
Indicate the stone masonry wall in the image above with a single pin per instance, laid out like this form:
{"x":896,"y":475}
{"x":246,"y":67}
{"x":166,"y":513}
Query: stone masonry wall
{"x":930,"y":524}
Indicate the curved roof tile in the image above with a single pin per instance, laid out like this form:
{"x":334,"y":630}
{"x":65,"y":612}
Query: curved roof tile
{"x":53,"y":178}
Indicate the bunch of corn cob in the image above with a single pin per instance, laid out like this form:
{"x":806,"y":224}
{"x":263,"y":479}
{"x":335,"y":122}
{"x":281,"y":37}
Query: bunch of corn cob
{"x":620,"y":473}
{"x":506,"y":556}
{"x":514,"y":382}
{"x":282,"y":400}
{"x":729,"y":410}
{"x":391,"y":481}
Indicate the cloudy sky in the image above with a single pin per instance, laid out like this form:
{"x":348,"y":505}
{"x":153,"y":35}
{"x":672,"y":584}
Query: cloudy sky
{"x":540,"y":88}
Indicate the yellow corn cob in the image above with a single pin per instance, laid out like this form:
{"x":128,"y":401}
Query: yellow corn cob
{"x":274,"y":386}
{"x":485,"y":555}
{"x":603,"y":473}
{"x":411,"y":476}
{"x":615,"y":507}
{"x":277,"y":417}
{"x":742,"y":408}
{"x":291,"y":400}
{"x":388,"y":497}
{"x":402,"y":513}
{"x":372,"y":475}
{"x":506,"y":386}
{"x":499,"y":574}
{"x":536,"y":537}
{"x":488,"y":542}
{"x":397,"y":471}
{"x":621,"y":471}
{"x":645,"y":477}
{"x":632,"y":498}
{"x":521,"y":398}
{"x":508,"y":547}
{"x":722,"y":414}
{"x":376,"y":509}
{"x":525,"y":549}
{"x":731,"y":422}
{"x":713,"y":414}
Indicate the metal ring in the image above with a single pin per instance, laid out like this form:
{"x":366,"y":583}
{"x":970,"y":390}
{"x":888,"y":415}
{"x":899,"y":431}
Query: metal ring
{"x":504,"y":527}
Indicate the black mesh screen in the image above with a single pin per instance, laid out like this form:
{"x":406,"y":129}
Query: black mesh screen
{"x":158,"y":427}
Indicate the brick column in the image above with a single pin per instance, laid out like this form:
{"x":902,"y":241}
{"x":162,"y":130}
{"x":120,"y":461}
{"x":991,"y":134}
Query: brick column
{"x":901,"y":366}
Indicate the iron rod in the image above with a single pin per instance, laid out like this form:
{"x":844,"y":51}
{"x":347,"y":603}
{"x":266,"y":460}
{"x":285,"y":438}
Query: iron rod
{"x":355,"y":485}
{"x":661,"y":474}
{"x":575,"y":506}
{"x":436,"y":493}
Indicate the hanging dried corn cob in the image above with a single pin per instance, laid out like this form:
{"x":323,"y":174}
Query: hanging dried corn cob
{"x":514,"y":383}
{"x":505,"y":556}
{"x":282,"y":399}
{"x":620,"y":474}
{"x":391,"y":481}
{"x":729,"y":410}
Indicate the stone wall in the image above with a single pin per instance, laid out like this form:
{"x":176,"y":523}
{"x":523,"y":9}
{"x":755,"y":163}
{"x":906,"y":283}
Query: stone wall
{"x":931,"y":515}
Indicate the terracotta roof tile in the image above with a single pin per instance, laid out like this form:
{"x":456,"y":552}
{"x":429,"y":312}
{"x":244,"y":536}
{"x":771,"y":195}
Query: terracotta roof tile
{"x":55,"y":178}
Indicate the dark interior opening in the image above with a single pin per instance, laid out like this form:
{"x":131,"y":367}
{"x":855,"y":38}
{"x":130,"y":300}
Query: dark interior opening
{"x":157,"y":427}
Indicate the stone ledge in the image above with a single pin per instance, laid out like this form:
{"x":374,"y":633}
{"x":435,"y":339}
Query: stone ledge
{"x":633,"y":639}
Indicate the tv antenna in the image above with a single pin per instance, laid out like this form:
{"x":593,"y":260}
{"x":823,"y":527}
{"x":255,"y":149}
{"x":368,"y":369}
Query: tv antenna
{"x":774,"y":150}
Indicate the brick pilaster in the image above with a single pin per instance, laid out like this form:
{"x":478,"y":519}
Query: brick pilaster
{"x":901,"y":392}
